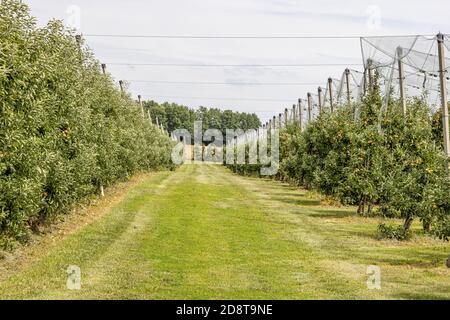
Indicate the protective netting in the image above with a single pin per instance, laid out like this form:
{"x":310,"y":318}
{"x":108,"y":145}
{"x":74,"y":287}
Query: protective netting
{"x":383,"y":59}
{"x":356,"y":83}
{"x":336,"y":92}
{"x":419,"y":58}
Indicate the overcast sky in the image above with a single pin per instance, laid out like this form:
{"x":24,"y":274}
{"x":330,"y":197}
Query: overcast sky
{"x":236,"y":18}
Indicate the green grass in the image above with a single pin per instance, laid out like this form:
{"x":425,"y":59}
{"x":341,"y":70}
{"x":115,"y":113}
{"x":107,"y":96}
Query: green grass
{"x":203,"y":233}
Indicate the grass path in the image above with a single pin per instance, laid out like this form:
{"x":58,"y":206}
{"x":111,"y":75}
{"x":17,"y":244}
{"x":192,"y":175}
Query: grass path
{"x":203,"y":233}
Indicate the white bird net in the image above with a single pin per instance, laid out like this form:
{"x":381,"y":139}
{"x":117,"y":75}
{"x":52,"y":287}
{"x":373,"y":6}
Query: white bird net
{"x":420,"y":60}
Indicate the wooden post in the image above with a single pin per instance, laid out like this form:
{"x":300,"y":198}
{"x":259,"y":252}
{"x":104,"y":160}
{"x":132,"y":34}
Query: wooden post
{"x":280,"y":120}
{"x":274,"y":122}
{"x":444,"y":102}
{"x":347,"y":81}
{"x":319,"y":92}
{"x":294,"y":115}
{"x":270,"y":125}
{"x":330,"y":91}
{"x":365,"y":82}
{"x":370,"y":74}
{"x":142,"y":106}
{"x":104,"y":68}
{"x":286,"y":117}
{"x":309,"y":107}
{"x":80,"y":52}
{"x":401,"y":79}
{"x":121,"y":86}
{"x":300,"y":114}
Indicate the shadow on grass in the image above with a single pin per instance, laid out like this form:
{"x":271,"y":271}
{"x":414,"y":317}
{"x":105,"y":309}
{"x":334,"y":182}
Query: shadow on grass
{"x":334,"y":214}
{"x":295,"y":199}
{"x":292,"y":199}
{"x":294,"y":194}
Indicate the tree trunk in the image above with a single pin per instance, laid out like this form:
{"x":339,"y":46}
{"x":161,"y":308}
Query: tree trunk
{"x":407,"y":224}
{"x":369,"y":209}
{"x":361,"y":207}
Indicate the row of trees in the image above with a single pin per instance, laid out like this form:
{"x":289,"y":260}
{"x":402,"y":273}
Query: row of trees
{"x":395,"y":164}
{"x":66,"y":131}
{"x":173,"y":116}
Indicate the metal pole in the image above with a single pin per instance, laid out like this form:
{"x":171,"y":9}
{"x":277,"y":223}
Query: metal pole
{"x":401,"y":78}
{"x":330,"y":91}
{"x":347,"y":81}
{"x":444,"y":103}
{"x":309,"y":107}
{"x":319,"y":92}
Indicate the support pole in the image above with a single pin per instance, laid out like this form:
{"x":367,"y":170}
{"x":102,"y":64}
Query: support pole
{"x":347,"y":82}
{"x":401,"y":79}
{"x":121,"y":86}
{"x":300,"y":114}
{"x":142,"y":106}
{"x":294,"y":114}
{"x":104,"y":69}
{"x":78,"y":39}
{"x":370,"y":74}
{"x":330,"y":91}
{"x":270,"y":125}
{"x":365,"y":82}
{"x":280,"y":120}
{"x":274,"y":122}
{"x":309,"y":107}
{"x":319,"y":93}
{"x":286,"y":117}
{"x":80,"y":53}
{"x":444,"y":103}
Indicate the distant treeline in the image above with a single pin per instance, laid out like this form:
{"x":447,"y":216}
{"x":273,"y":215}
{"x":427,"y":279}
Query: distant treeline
{"x":173,"y":116}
